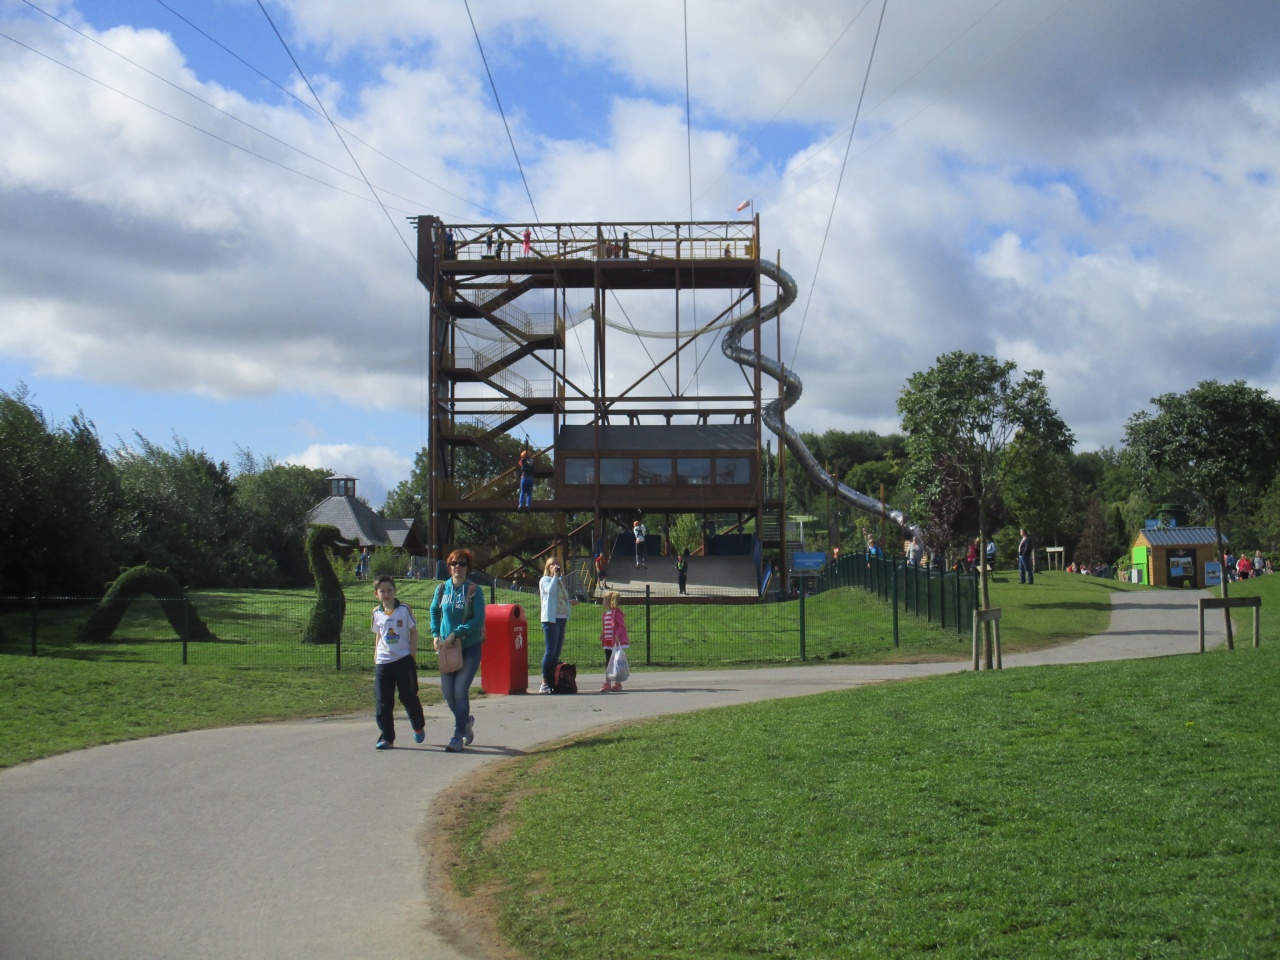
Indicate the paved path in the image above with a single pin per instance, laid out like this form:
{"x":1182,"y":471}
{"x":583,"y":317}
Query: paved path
{"x":299,"y":840}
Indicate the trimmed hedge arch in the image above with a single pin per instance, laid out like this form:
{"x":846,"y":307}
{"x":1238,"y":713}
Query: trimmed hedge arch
{"x":132,"y":583}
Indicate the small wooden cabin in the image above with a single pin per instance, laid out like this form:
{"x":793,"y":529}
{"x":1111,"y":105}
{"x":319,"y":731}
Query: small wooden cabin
{"x":1175,"y":556}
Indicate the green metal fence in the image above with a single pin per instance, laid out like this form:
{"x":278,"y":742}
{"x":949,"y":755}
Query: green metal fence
{"x":943,"y":597}
{"x":262,"y":629}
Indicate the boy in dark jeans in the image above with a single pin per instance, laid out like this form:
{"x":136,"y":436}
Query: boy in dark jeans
{"x":394,"y":667}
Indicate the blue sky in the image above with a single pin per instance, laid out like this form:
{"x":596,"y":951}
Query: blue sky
{"x":1083,"y":187}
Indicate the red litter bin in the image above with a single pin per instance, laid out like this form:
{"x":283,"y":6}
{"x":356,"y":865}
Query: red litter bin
{"x":504,"y":658}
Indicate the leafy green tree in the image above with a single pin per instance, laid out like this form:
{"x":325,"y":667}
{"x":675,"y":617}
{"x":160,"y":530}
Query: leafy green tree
{"x":869,"y":476}
{"x":178,"y":515}
{"x":409,"y":497}
{"x":685,"y":533}
{"x":1036,"y":480}
{"x":271,"y":502}
{"x":59,"y":496}
{"x":1213,"y":440}
{"x":960,"y":418}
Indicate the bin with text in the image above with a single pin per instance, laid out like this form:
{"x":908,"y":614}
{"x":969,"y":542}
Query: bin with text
{"x":504,"y":659}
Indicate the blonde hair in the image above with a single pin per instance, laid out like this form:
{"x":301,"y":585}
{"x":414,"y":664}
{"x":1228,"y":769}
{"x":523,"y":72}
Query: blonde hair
{"x":611,"y":598}
{"x":546,"y":567}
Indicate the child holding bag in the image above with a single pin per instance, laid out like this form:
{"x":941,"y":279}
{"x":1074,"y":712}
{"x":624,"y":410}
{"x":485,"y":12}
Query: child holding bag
{"x":614,"y":640}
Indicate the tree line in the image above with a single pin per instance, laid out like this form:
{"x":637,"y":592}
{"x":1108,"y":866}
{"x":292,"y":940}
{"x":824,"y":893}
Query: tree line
{"x":982,"y":449}
{"x":73,"y":513}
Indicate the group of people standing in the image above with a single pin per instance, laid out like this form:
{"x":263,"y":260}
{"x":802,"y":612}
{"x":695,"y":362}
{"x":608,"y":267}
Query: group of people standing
{"x":457,"y":621}
{"x":1244,"y":566}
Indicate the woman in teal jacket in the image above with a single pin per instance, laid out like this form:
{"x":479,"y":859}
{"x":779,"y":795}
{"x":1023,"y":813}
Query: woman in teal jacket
{"x":457,"y":616}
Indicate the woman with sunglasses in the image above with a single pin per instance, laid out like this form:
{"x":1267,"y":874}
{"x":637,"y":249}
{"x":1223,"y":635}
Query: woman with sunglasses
{"x":457,"y":616}
{"x":554,"y":594}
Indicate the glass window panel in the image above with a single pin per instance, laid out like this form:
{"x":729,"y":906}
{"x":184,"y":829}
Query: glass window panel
{"x":693,"y":471}
{"x":616,"y":470}
{"x":579,"y":471}
{"x":733,"y":470}
{"x":655,"y":471}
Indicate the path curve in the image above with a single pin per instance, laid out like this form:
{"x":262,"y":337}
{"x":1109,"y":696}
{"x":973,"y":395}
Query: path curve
{"x":299,"y":840}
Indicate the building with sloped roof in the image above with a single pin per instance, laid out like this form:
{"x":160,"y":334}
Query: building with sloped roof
{"x":1175,"y":556}
{"x":360,"y":523}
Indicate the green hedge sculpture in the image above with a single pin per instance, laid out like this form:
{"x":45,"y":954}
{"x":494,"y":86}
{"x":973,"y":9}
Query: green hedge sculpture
{"x":131,"y":584}
{"x":325,"y":623}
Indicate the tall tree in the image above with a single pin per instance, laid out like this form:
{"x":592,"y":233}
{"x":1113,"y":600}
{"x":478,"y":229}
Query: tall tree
{"x":1036,"y":480}
{"x":1213,"y":441}
{"x":271,"y":503}
{"x":59,"y":496}
{"x":179,"y":515}
{"x":960,"y":418}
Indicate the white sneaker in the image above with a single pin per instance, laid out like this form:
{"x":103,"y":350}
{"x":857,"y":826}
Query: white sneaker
{"x":544,"y":689}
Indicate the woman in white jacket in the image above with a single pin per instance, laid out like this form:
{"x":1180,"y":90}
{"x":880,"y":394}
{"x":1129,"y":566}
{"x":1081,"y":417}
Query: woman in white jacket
{"x":555,"y":602}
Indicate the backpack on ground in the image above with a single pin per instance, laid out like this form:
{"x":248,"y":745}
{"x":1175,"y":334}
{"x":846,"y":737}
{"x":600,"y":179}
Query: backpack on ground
{"x":565,"y":678}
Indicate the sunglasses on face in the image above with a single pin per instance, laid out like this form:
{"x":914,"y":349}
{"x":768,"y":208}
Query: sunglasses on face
{"x":457,"y":563}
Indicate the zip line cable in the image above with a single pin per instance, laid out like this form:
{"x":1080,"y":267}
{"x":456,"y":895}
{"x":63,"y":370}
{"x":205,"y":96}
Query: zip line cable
{"x":218,"y":109}
{"x":494,"y":87}
{"x":836,"y":196}
{"x":338,"y":133}
{"x":289,"y":93}
{"x":192,"y":126}
{"x":962,"y":81}
{"x":807,"y":77}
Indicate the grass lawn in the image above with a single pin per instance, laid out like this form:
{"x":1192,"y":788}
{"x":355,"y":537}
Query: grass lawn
{"x":1108,"y":810}
{"x":54,"y":704}
{"x":77,"y":695}
{"x":1268,"y":588}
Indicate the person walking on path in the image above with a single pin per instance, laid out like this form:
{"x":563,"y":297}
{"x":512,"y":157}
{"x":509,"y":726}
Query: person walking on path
{"x":682,"y":571}
{"x":613,"y":637}
{"x":1026,"y":559}
{"x":553,"y":593}
{"x":638,"y":530}
{"x":395,"y":669}
{"x":457,"y":616}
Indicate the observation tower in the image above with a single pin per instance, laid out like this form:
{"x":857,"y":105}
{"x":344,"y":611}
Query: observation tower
{"x":584,"y":343}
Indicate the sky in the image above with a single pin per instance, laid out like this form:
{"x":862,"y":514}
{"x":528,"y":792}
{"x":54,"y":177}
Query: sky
{"x":190,"y":252}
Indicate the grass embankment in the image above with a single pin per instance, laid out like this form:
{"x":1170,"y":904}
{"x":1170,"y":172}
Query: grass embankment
{"x":1108,"y":810}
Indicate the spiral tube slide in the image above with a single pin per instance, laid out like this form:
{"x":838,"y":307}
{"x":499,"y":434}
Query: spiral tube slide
{"x":732,"y":348}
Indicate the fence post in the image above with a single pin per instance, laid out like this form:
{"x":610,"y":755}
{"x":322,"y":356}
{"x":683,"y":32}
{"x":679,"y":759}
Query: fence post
{"x":35,"y":617}
{"x":493,"y":590}
{"x":186,"y":626}
{"x":648,"y":607}
{"x":337,"y":649}
{"x":895,"y":601}
{"x":802,"y":636}
{"x":928,"y":595}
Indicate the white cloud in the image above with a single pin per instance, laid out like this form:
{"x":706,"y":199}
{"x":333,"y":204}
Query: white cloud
{"x":377,"y":469}
{"x":1088,"y":188}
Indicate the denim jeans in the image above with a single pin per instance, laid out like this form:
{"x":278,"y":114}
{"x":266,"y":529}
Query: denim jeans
{"x":388,"y":679}
{"x":526,"y":492}
{"x":456,"y":687}
{"x":553,"y":637}
{"x":1026,"y":573}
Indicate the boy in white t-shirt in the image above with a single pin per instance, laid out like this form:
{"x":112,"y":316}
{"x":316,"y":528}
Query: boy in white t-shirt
{"x":394,"y":668}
